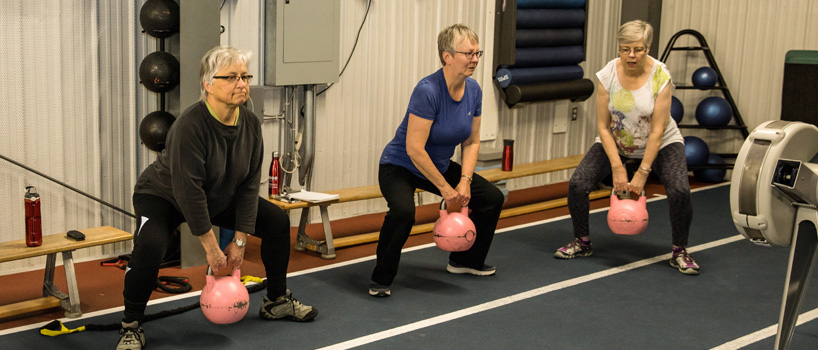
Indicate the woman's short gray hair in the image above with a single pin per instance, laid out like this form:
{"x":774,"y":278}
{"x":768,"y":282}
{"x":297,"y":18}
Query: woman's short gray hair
{"x":636,"y":30}
{"x":217,"y":59}
{"x":447,"y":39}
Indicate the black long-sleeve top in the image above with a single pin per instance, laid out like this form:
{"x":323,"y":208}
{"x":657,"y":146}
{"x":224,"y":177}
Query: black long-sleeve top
{"x":206,"y":166}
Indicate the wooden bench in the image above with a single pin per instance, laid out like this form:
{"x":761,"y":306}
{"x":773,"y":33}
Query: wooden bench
{"x":53,"y":244}
{"x":327,"y":246}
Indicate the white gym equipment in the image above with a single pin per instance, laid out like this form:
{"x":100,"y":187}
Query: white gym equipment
{"x":773,"y":199}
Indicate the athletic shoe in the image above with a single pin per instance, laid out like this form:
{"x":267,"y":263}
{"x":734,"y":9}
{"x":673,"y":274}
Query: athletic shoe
{"x":131,"y":337}
{"x":682,"y":261}
{"x":379,"y":290}
{"x":577,"y":247}
{"x":286,"y":307}
{"x":485,"y":270}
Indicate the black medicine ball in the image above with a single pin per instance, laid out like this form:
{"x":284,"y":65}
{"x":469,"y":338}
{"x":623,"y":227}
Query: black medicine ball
{"x":159,"y":72}
{"x":154,"y":129}
{"x":160,"y":18}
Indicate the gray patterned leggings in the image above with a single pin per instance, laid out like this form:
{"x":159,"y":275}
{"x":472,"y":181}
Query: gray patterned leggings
{"x":670,"y":166}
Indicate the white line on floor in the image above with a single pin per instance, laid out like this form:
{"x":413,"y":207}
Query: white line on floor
{"x":764,"y":333}
{"x":519,"y":297}
{"x":512,"y":228}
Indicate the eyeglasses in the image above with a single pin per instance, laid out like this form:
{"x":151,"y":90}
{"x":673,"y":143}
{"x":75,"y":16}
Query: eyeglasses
{"x":470,"y":55}
{"x":635,"y":50}
{"x":234,"y":79}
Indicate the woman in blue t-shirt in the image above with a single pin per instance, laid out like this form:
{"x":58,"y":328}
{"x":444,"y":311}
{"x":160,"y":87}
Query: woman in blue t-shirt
{"x":444,"y":111}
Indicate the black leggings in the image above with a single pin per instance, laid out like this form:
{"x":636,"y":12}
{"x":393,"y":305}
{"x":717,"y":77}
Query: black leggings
{"x":671,"y":167}
{"x":157,"y":219}
{"x":398,"y":186}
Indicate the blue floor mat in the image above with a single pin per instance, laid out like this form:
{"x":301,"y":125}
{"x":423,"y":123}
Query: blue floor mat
{"x":654,"y":306}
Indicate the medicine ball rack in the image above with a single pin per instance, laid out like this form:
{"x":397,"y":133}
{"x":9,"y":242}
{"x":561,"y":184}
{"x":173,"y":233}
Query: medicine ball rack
{"x":159,"y":71}
{"x":721,"y":86}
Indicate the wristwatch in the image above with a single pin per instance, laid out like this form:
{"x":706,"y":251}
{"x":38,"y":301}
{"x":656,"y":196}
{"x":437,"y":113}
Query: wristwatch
{"x":240,"y":242}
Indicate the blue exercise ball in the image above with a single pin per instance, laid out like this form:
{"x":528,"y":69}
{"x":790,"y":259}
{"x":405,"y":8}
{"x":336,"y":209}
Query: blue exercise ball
{"x":714,"y":111}
{"x":696,"y":151}
{"x":677,"y":110}
{"x":705,"y":77}
{"x":711,"y":175}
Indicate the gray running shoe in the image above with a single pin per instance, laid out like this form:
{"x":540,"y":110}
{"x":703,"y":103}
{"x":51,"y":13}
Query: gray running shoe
{"x":131,"y":337}
{"x":286,"y":307}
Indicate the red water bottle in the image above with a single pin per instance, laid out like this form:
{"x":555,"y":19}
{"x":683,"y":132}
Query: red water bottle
{"x":34,"y":228}
{"x":508,"y":155}
{"x":274,"y":183}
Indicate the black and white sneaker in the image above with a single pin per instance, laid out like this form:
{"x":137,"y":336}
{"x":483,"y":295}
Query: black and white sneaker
{"x":379,"y":290}
{"x":485,"y":270}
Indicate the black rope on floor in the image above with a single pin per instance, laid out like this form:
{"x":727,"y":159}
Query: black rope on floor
{"x":56,"y":327}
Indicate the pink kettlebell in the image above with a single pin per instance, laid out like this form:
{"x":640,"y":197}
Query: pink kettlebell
{"x":454,"y":232}
{"x":628,"y":216}
{"x":224,"y":300}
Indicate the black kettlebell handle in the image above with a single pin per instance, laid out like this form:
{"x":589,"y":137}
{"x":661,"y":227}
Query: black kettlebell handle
{"x":443,"y":205}
{"x":621,"y":193}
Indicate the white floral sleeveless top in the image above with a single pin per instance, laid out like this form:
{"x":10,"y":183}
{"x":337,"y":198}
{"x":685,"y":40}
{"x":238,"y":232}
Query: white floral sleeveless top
{"x":632,"y":110}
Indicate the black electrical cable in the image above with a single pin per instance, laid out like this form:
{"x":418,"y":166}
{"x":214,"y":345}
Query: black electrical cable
{"x":368,"y":4}
{"x":123,"y":211}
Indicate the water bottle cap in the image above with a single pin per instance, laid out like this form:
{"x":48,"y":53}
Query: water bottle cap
{"x":508,"y":142}
{"x":31,"y":192}
{"x":275,"y":153}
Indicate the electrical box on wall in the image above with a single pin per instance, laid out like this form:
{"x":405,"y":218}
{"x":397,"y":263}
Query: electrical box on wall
{"x":301,"y":42}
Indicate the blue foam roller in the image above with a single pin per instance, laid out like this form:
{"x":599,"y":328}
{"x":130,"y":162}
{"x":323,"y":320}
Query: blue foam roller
{"x":548,"y":56}
{"x":677,"y":109}
{"x":715,"y":175}
{"x":518,"y":76}
{"x":557,"y":90}
{"x":550,"y":4}
{"x":696,"y":151}
{"x":549,"y":37}
{"x":550,"y":18}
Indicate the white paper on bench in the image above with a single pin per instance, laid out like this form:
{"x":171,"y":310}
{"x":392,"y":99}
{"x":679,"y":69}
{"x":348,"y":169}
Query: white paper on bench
{"x":313,"y":197}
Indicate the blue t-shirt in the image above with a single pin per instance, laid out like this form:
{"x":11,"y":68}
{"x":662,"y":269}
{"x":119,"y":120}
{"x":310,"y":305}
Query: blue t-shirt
{"x":451,"y":122}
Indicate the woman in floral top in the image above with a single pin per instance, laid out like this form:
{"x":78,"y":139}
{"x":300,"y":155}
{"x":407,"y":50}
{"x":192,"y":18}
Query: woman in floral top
{"x":635,"y":133}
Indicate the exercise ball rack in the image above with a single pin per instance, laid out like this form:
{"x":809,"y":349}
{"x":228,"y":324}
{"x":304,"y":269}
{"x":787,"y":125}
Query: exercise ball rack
{"x":721,"y":86}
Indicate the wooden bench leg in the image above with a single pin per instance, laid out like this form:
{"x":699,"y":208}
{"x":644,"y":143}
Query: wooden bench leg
{"x":70,"y":302}
{"x":303,"y":241}
{"x":71,"y":279}
{"x":330,"y":245}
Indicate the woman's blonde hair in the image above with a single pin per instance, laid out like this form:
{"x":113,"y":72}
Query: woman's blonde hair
{"x":448,"y":38}
{"x":636,"y":30}
{"x":217,"y":59}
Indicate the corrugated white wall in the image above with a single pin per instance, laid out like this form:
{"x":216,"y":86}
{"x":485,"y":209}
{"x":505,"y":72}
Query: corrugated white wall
{"x":359,"y":114}
{"x":66,"y":68}
{"x":73,"y":102}
{"x":749,"y":40}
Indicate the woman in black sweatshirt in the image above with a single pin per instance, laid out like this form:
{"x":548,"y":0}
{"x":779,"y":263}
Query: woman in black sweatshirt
{"x":209,"y":173}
